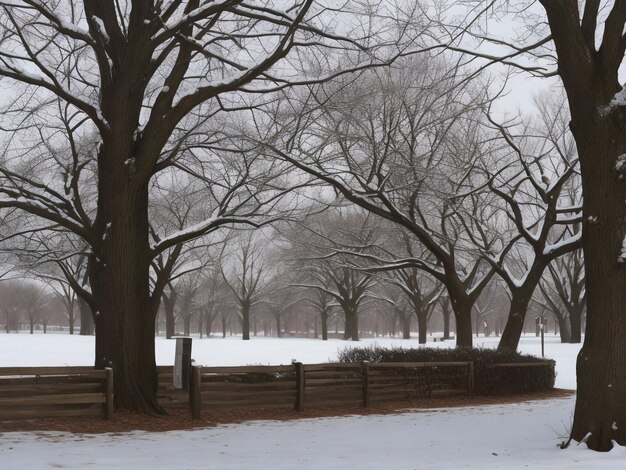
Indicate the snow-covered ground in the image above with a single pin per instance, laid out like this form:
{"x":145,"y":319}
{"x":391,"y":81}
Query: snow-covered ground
{"x":513,"y":436}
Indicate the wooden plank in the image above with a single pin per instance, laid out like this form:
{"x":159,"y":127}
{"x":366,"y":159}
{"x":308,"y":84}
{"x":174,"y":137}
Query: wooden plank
{"x":26,"y":371}
{"x":249,"y":402}
{"x":247,"y":370}
{"x":243,"y":394}
{"x":334,"y":376}
{"x":415,"y":365}
{"x":521,"y":364}
{"x":218,"y":405}
{"x":227,"y":386}
{"x":55,"y":399}
{"x":332,"y":366}
{"x":339,"y":402}
{"x":35,"y":414}
{"x":48,"y":389}
{"x":336,"y":381}
{"x":50,"y":380}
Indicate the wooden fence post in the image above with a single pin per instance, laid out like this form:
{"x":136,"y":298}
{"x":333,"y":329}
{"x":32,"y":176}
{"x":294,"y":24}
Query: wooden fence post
{"x":365,"y":373}
{"x":195,"y":397}
{"x":299,"y":405}
{"x":470,"y":379}
{"x":109,"y":392}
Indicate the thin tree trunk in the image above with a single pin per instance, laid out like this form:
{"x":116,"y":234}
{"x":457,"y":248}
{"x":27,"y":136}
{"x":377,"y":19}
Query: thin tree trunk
{"x":446,"y":323}
{"x":563,"y":329}
{"x":515,"y":322}
{"x":324,"y":320}
{"x":87,"y":325}
{"x":406,"y":327}
{"x":169,"y":303}
{"x":245,"y":322}
{"x":279,"y":333}
{"x":186,"y":324}
{"x":462,"y":308}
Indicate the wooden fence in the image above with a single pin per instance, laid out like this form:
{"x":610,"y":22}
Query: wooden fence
{"x":38,"y":392}
{"x":330,"y":384}
{"x":44,"y":392}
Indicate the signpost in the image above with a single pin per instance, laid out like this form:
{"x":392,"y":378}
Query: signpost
{"x":182,"y":362}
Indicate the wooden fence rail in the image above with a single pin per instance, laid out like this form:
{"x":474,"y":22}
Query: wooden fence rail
{"x":44,"y":392}
{"x":327,"y":384}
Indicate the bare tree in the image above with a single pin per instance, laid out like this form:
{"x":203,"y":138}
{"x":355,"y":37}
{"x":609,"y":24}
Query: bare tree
{"x":141,"y":76}
{"x":402,"y":151}
{"x":247,"y":280}
{"x":586,"y":40}
{"x":564,"y":294}
{"x":537,"y":200}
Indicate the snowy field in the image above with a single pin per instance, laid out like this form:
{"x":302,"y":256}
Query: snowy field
{"x":517,"y":436}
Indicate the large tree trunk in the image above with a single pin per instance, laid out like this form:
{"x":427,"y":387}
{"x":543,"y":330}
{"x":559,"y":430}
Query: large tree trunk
{"x":601,"y":364}
{"x":591,"y":80}
{"x":120,"y":281}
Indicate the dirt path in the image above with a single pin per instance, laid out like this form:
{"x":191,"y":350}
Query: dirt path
{"x":178,"y":419}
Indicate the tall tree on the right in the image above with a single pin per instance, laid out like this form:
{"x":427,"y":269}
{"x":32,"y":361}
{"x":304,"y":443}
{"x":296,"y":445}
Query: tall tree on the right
{"x":590,"y":46}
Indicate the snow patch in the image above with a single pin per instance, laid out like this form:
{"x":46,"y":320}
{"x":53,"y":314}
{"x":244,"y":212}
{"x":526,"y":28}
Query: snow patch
{"x":101,"y":29}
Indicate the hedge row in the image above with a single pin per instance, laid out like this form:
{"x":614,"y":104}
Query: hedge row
{"x":488,"y":380}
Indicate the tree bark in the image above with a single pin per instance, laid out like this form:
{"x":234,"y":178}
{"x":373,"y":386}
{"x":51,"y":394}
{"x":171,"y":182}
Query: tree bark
{"x":422,"y":326}
{"x":169,"y":303}
{"x":564,"y":330}
{"x":462,"y":308}
{"x":120,"y":281}
{"x":186,"y":324}
{"x":279,"y":333}
{"x":406,"y":327}
{"x":575,"y":319}
{"x":245,"y":321}
{"x":591,"y":80}
{"x":324,"y":320}
{"x":515,"y":321}
{"x":446,"y":321}
{"x":87,"y":325}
